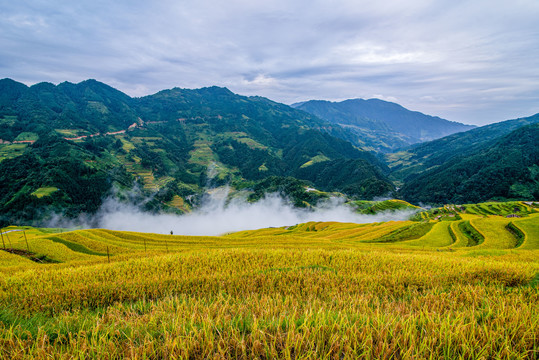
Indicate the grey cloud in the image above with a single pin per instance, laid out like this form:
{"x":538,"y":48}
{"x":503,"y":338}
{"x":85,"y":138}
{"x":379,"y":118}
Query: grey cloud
{"x":470,"y":61}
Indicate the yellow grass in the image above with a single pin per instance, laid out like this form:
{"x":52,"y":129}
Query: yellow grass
{"x":438,"y":236}
{"x":461,"y":240}
{"x":530,"y":227}
{"x":311,"y":291}
{"x":493,"y":228}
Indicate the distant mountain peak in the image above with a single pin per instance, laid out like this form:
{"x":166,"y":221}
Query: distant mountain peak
{"x":381,"y":124}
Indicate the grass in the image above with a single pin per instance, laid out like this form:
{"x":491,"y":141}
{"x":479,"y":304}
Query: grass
{"x":75,"y":246}
{"x":438,"y":236}
{"x":243,"y":138}
{"x":410,"y":232}
{"x":314,"y":160}
{"x":27,"y":136}
{"x":11,"y":151}
{"x":374,"y":207}
{"x":71,"y":133}
{"x":456,"y":212}
{"x":530,"y":227}
{"x":179,"y":203}
{"x":474,"y":237}
{"x":44,"y":191}
{"x":202,"y":153}
{"x":8,"y":120}
{"x":494,"y":230}
{"x":319,"y":290}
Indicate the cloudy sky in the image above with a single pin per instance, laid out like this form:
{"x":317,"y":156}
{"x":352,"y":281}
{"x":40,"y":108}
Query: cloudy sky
{"x":473,"y":61}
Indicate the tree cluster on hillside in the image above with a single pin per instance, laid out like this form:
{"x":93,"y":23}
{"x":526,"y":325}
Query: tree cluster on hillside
{"x":509,"y":169}
{"x":178,"y":135}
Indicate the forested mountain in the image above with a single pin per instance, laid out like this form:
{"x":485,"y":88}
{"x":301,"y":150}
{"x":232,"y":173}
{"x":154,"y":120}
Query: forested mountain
{"x":504,"y":168}
{"x":421,"y":157}
{"x":66,"y":147}
{"x":381,"y":125}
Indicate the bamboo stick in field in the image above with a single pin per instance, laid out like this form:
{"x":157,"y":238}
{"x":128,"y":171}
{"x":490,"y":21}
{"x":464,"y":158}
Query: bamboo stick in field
{"x":9,"y":241}
{"x":26,"y":239}
{"x":3,"y":242}
{"x":108,"y":254}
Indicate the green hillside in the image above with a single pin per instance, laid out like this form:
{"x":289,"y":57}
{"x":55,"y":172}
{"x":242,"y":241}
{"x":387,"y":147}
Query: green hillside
{"x":421,"y":157}
{"x":507,"y":169}
{"x":89,"y":141}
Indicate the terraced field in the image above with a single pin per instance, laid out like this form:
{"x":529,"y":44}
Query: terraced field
{"x":530,"y":228}
{"x":324,"y":290}
{"x":495,"y":233}
{"x":9,"y":151}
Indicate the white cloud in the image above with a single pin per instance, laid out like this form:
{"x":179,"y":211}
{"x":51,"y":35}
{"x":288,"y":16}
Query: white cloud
{"x":217,"y":217}
{"x":261,"y":80}
{"x":386,"y":98}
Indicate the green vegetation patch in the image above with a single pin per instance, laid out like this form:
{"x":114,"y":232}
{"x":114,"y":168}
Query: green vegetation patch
{"x":535,"y":281}
{"x":8,"y":120}
{"x":98,"y":106}
{"x":513,"y":229}
{"x":410,"y":232}
{"x":11,"y":151}
{"x":244,"y":138}
{"x":474,"y":236}
{"x":71,"y":133}
{"x":373,"y":207}
{"x":27,"y":136}
{"x":44,"y":191}
{"x":202,"y":153}
{"x":314,"y":160}
{"x":75,"y":247}
{"x":126,"y":145}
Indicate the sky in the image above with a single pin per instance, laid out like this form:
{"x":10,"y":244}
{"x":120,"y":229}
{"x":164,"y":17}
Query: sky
{"x":471,"y":61}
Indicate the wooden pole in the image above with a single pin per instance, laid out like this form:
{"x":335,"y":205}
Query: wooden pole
{"x":108,"y":254}
{"x":3,"y":242}
{"x":26,"y":239}
{"x":9,"y":241}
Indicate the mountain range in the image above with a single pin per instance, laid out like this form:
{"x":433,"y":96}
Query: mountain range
{"x":381,"y":125}
{"x":66,"y":148}
{"x":498,"y":161}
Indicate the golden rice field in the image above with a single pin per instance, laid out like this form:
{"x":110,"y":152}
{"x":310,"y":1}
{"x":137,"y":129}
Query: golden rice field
{"x":461,"y":289}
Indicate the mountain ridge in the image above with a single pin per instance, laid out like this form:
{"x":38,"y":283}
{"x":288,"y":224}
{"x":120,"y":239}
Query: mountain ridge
{"x":420,"y":157}
{"x":382,"y":125}
{"x":78,"y":134}
{"x":507,"y":167}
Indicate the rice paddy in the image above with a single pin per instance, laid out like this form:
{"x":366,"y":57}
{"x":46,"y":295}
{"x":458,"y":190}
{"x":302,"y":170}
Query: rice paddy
{"x":319,"y":290}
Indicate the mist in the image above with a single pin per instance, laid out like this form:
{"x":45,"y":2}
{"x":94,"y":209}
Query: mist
{"x":218,"y":215}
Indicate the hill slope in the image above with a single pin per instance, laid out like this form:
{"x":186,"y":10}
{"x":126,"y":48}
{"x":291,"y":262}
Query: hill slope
{"x":507,"y":168}
{"x":421,"y":157}
{"x":173,"y":144}
{"x":382,"y":125}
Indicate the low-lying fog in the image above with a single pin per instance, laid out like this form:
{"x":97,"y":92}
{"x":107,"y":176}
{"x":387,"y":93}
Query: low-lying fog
{"x":217,"y":216}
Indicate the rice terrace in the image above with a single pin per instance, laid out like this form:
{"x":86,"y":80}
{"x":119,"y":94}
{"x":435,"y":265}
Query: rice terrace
{"x":457,"y":282}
